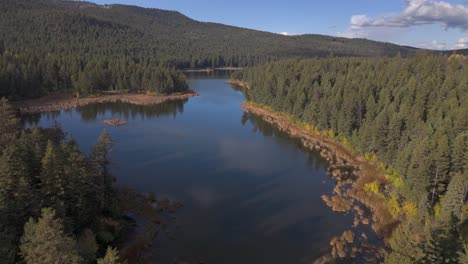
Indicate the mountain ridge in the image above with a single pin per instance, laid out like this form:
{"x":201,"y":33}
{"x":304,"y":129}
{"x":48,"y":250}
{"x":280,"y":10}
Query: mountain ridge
{"x":140,"y":8}
{"x":170,"y":37}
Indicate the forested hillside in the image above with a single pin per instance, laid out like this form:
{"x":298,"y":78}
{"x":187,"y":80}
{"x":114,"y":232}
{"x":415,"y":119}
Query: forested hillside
{"x":49,"y":46}
{"x":412,"y":113}
{"x":168,"y":37}
{"x":52,"y":45}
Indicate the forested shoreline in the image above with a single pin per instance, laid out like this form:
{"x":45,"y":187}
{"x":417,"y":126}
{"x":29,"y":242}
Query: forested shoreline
{"x":83,"y":48}
{"x":409,"y":115}
{"x":403,"y":109}
{"x":57,"y":204}
{"x":28,"y":75}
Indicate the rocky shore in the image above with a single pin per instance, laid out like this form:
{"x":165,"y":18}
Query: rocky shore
{"x":59,"y":102}
{"x":351,"y":173}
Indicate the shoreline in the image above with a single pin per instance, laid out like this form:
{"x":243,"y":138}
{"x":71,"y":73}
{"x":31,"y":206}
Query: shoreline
{"x":239,"y":83}
{"x":152,"y":217}
{"x":57,"y":102}
{"x":209,"y":69}
{"x":352,"y":173}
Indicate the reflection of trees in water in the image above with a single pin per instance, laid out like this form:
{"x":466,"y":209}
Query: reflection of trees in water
{"x":33,"y":119}
{"x":314,"y":160}
{"x":239,"y":89}
{"x":125,"y":110}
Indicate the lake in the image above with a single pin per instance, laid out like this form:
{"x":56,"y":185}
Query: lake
{"x":250,"y":193}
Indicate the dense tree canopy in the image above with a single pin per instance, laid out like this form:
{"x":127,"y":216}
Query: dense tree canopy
{"x":43,"y":168}
{"x":72,"y":27}
{"x":411,"y":112}
{"x":32,"y":74}
{"x":49,"y":45}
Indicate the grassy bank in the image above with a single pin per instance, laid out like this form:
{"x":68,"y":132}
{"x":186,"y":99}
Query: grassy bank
{"x":362,"y":183}
{"x":63,"y":101}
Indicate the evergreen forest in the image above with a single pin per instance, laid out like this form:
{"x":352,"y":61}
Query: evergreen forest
{"x":411,"y":113}
{"x":57,"y":204}
{"x":84,"y":48}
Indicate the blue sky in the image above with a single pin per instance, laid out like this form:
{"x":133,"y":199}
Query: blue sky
{"x":421,"y":23}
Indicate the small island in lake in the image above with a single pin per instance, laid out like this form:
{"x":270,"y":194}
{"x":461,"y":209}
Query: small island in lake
{"x":115,"y":122}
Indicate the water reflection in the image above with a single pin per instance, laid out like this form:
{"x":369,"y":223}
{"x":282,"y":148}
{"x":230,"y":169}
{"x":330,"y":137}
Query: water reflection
{"x":29,"y":120}
{"x":314,"y":160}
{"x":251,"y":194}
{"x":90,"y":112}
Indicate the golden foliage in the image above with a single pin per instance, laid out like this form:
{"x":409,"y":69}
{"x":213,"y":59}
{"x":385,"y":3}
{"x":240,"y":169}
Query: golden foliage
{"x":394,"y":206}
{"x":410,"y":209}
{"x":373,"y":188}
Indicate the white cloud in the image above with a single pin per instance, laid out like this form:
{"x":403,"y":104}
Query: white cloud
{"x":415,"y":13}
{"x":418,"y":12}
{"x":462,"y":43}
{"x":284,"y":33}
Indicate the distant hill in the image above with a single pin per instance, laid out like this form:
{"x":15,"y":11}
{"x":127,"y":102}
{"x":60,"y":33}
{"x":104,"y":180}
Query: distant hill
{"x":87,"y":29}
{"x":450,"y":52}
{"x":84,"y":48}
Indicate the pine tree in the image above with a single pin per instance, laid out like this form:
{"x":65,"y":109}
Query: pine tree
{"x":453,"y":201}
{"x":16,"y":199}
{"x":9,"y":124}
{"x":53,"y":179}
{"x":87,"y":246}
{"x":111,"y":257}
{"x":100,"y":170}
{"x":406,"y":245}
{"x":80,"y":190}
{"x":45,"y":242}
{"x":463,"y":254}
{"x":458,"y":152}
{"x":441,"y":164}
{"x":418,"y":172}
{"x":444,"y":245}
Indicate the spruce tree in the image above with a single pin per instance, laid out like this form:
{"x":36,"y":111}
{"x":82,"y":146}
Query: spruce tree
{"x":53,"y":179}
{"x":87,"y":246}
{"x":111,"y":257}
{"x":441,"y":165}
{"x":80,"y":190}
{"x":16,"y":199}
{"x":444,"y":244}
{"x":9,"y":124}
{"x":453,"y":201}
{"x":44,"y":241}
{"x":406,"y":244}
{"x":100,"y":170}
{"x":459,"y":152}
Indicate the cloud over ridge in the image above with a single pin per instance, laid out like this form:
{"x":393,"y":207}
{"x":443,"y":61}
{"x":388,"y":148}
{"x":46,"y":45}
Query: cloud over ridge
{"x":418,"y":12}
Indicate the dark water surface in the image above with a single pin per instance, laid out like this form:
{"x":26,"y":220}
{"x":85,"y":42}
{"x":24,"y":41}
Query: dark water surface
{"x":250,"y":193}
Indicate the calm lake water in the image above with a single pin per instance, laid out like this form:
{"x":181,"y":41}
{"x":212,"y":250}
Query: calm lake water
{"x":251,"y":194}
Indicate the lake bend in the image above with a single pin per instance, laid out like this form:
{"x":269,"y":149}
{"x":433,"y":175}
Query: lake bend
{"x":250,"y":193}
